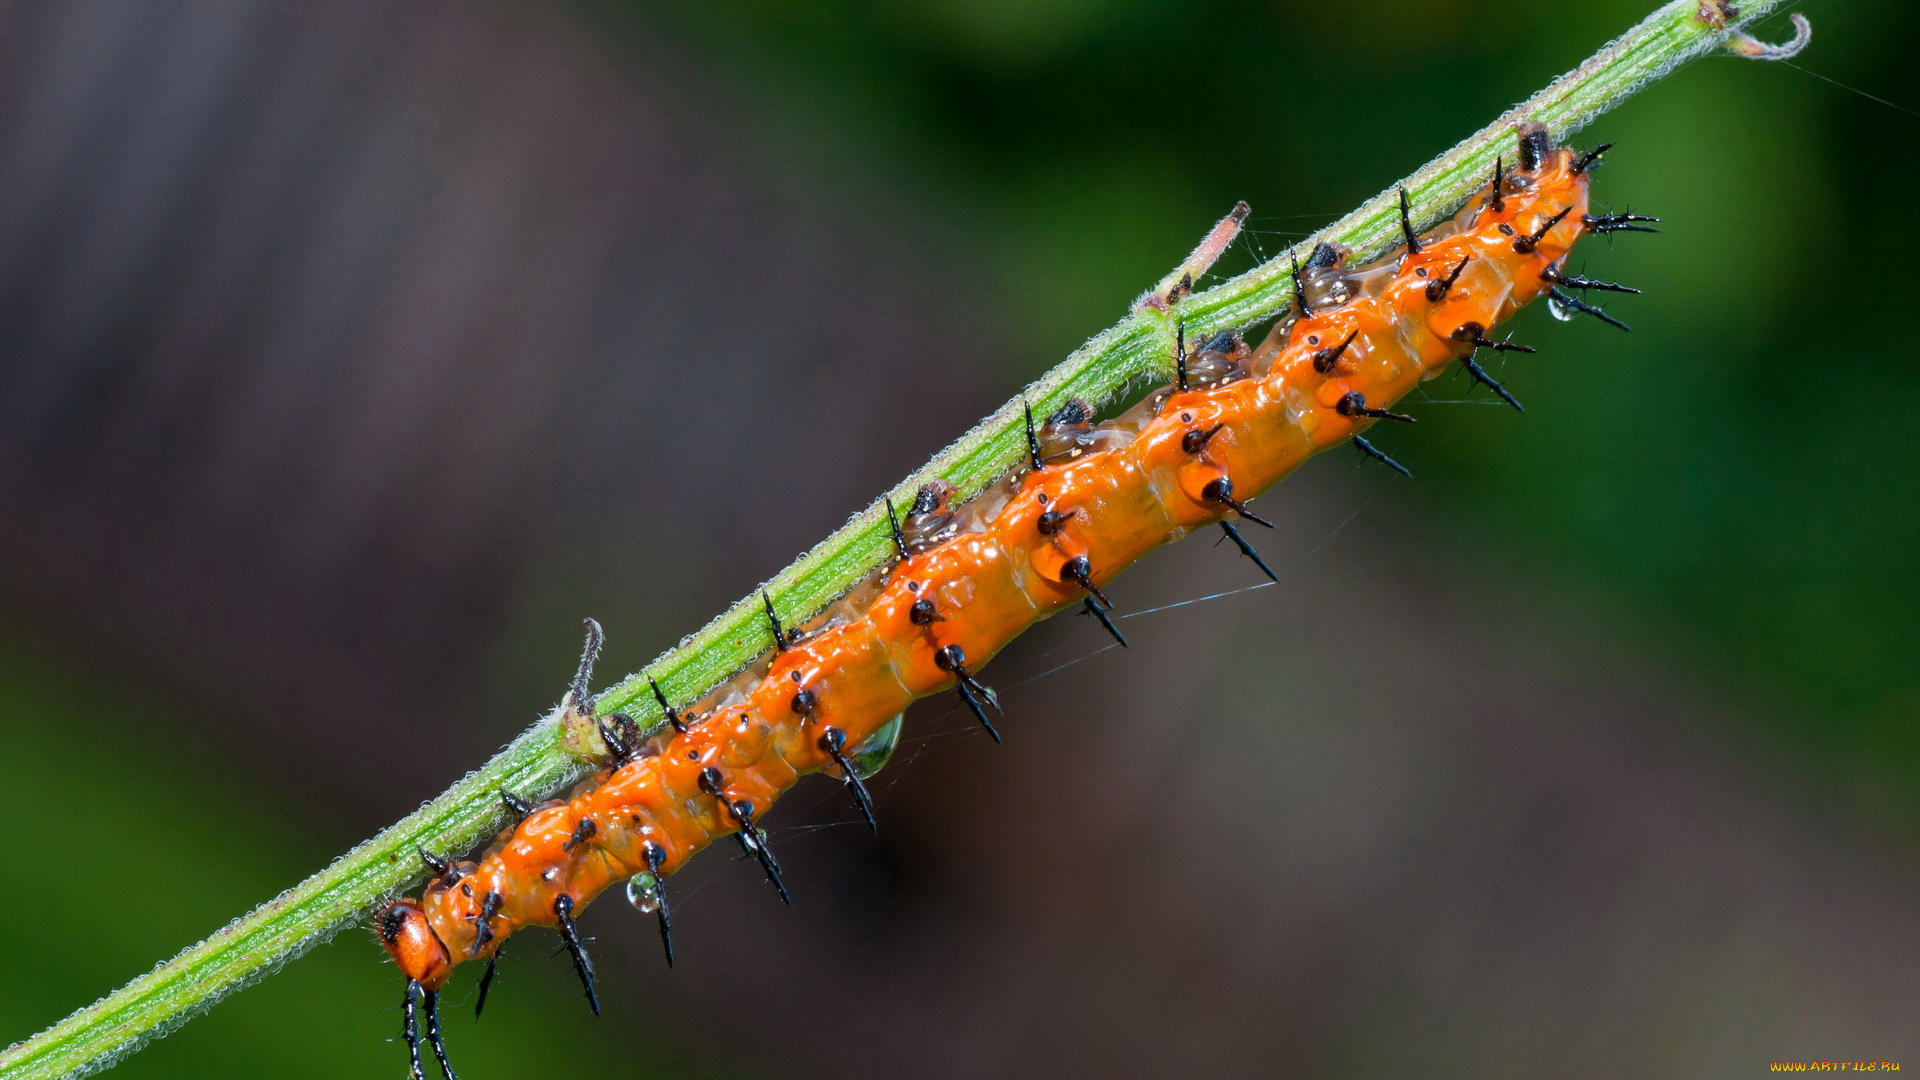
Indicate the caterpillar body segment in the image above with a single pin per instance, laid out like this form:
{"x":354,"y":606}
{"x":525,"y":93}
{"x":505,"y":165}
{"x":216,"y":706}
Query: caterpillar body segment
{"x":1091,"y":500}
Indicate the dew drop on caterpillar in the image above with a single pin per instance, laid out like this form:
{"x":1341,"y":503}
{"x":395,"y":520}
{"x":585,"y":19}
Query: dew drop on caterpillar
{"x":1088,"y":500}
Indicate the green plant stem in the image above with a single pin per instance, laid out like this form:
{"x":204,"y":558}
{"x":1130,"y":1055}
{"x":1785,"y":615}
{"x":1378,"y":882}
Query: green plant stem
{"x":538,"y":762}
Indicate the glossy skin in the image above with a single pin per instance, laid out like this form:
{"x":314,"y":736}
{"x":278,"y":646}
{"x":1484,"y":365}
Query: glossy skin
{"x":1267,"y":412}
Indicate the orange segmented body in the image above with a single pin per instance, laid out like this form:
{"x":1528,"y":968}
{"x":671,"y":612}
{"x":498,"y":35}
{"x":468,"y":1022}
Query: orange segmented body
{"x":971,"y":576}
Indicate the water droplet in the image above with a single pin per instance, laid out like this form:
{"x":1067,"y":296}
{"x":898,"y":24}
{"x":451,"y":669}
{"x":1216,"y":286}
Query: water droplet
{"x":1560,"y":311}
{"x":643,"y":892}
{"x":873,"y":752}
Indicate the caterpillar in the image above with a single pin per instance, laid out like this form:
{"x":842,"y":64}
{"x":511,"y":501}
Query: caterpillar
{"x":1090,"y":499}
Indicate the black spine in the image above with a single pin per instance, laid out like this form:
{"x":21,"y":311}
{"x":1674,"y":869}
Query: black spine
{"x":673,"y":715}
{"x":582,"y":963}
{"x":1373,"y":452}
{"x":1247,"y":549}
{"x":1100,"y":613}
{"x":1406,"y":225}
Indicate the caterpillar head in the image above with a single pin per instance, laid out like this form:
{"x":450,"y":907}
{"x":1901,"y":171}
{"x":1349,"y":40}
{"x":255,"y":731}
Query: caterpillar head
{"x":415,"y":948}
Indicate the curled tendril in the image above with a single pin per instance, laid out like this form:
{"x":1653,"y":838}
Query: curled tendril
{"x":1741,"y":44}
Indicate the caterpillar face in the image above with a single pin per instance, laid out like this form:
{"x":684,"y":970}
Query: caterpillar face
{"x":415,"y":949}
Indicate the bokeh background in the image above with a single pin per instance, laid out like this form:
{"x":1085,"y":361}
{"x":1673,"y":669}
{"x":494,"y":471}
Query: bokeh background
{"x":350,"y":353}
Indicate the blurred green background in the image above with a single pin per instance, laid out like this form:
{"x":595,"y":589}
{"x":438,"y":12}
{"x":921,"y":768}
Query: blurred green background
{"x":352,"y":355}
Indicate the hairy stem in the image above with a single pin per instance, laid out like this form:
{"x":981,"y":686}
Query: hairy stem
{"x":539,"y":762}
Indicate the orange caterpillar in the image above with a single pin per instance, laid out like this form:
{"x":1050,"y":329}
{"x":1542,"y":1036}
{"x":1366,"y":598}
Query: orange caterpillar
{"x":1091,"y":499}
